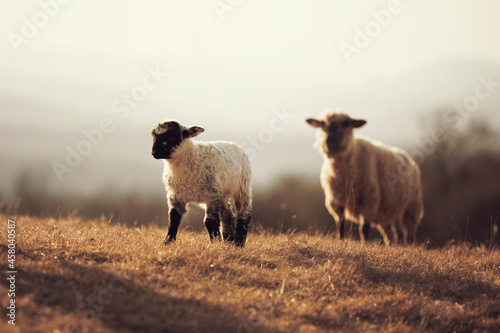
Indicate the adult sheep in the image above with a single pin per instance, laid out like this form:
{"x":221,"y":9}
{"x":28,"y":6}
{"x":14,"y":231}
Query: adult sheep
{"x":215,"y":174}
{"x":367,"y":181}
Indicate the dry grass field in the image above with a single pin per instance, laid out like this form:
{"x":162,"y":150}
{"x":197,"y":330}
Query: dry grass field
{"x":89,"y":276}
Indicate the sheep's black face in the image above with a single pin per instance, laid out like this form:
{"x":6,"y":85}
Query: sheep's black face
{"x":336,"y":132}
{"x":168,"y":136}
{"x":337,"y":136}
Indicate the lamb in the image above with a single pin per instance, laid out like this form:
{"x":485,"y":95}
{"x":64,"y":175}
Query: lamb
{"x":367,"y":181}
{"x":215,"y":174}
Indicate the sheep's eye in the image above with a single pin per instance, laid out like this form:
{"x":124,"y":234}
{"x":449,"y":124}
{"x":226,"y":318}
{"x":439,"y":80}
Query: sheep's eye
{"x":164,"y":143}
{"x":345,"y":123}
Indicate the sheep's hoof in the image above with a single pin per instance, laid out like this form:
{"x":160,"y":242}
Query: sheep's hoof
{"x":214,"y":239}
{"x":169,"y":240}
{"x":238,"y":242}
{"x":229,"y":239}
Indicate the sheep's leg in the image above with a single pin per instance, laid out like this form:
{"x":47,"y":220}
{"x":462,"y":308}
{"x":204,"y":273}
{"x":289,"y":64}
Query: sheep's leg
{"x":410,"y":223}
{"x":395,"y":234}
{"x":243,"y":205}
{"x":212,"y":221}
{"x":175,"y":214}
{"x":227,"y":219}
{"x":242,"y":226}
{"x":409,"y":233}
{"x":364,"y":230}
{"x":337,"y":212}
{"x":410,"y":238}
{"x":341,"y":222}
{"x":389,"y":233}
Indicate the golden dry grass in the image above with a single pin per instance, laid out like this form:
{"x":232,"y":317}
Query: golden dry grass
{"x":88,"y":276}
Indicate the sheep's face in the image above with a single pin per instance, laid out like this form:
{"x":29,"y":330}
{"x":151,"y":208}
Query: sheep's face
{"x":168,"y":136}
{"x":336,"y":132}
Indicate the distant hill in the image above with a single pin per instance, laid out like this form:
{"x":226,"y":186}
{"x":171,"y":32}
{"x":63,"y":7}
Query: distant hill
{"x":34,"y":133}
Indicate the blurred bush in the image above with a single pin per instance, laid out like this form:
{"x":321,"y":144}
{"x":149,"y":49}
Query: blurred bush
{"x":33,"y":198}
{"x":292,"y":202}
{"x":461,"y":183}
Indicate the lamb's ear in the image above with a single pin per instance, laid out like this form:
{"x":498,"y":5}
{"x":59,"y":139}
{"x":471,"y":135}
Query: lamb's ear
{"x":155,"y":128}
{"x":192,"y":131}
{"x":315,"y":122}
{"x":358,"y":122}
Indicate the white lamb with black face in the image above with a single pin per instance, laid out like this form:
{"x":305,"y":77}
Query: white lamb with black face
{"x":215,"y":174}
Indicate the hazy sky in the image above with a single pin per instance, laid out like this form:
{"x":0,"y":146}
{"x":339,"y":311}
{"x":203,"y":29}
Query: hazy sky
{"x":229,"y":66}
{"x":262,"y":55}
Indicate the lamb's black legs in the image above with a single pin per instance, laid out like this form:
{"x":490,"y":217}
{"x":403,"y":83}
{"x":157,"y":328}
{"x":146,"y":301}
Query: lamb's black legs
{"x":213,"y":225}
{"x":242,"y":229}
{"x":175,"y":216}
{"x":212,"y":222}
{"x":227,"y":219}
{"x":216,"y":212}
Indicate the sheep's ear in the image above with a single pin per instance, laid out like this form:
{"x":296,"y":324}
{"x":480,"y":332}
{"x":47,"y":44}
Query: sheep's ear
{"x":315,"y":122}
{"x":155,"y":128}
{"x":192,"y":131}
{"x":358,"y":123}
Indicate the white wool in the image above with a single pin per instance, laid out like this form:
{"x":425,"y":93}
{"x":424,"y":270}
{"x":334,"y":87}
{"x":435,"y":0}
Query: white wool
{"x":206,"y":172}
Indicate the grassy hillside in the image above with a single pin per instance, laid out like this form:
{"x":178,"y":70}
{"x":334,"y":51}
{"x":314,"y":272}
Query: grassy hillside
{"x":88,"y":276}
